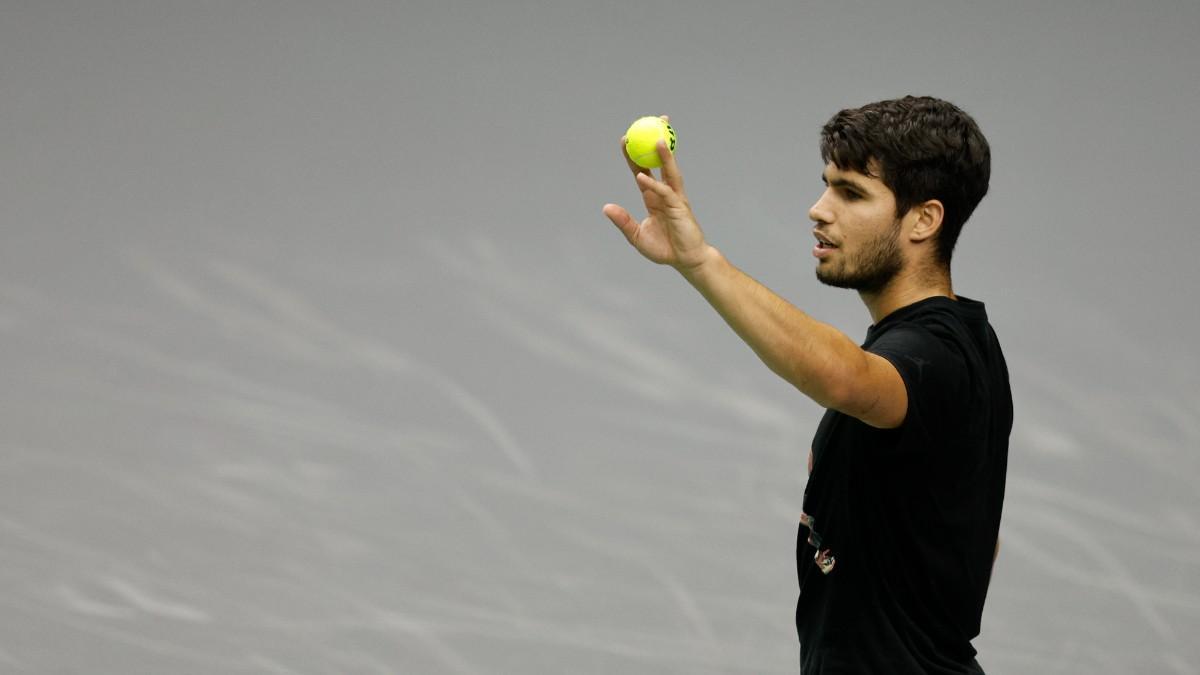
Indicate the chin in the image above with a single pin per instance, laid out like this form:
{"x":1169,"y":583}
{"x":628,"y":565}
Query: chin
{"x":837,"y":281}
{"x":858,"y":283}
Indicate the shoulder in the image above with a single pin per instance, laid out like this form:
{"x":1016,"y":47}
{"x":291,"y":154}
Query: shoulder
{"x":921,"y":341}
{"x":938,"y":324}
{"x":932,"y":353}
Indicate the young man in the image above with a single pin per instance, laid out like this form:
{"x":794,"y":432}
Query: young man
{"x":901,"y":514}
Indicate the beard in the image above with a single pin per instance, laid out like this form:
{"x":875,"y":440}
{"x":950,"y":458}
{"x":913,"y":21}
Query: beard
{"x":872,"y":268}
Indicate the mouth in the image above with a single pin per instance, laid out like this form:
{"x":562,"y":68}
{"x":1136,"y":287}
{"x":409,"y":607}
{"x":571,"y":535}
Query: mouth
{"x":824,"y":245}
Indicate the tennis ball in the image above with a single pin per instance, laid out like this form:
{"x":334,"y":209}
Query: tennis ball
{"x":641,"y":138}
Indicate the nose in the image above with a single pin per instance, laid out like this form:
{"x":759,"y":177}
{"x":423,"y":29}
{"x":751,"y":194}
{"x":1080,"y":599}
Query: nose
{"x":820,"y":211}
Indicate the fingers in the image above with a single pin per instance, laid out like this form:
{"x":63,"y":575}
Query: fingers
{"x":648,"y":184}
{"x":670,"y":170}
{"x":632,"y":165}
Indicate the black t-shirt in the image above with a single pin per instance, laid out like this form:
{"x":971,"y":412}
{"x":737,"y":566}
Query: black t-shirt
{"x":908,"y":517}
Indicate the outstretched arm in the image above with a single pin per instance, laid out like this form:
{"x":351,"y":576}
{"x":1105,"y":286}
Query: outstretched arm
{"x":816,"y":358}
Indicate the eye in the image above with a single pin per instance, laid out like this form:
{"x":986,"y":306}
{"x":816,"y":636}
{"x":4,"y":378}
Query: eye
{"x":852,"y":196}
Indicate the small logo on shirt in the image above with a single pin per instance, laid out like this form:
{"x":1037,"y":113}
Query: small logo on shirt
{"x":824,"y":558}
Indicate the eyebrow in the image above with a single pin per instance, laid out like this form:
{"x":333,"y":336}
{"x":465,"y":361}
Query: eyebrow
{"x":844,"y":182}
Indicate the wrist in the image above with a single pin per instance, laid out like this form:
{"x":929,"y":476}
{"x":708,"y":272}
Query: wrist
{"x":707,"y":260}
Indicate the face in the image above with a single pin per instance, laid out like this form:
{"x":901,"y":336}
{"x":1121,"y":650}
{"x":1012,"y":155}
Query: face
{"x":857,"y":231}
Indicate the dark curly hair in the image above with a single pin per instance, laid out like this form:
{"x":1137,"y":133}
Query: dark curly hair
{"x":924,"y":148}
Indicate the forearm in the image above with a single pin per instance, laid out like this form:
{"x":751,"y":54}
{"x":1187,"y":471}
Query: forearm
{"x":813,"y":356}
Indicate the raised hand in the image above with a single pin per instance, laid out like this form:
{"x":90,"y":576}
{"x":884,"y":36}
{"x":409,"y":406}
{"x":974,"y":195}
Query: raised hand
{"x":669,"y":235}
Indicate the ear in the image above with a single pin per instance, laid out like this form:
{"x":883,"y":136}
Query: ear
{"x":928,"y":220}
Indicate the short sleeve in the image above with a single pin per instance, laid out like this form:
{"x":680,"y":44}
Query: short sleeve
{"x":934,"y":370}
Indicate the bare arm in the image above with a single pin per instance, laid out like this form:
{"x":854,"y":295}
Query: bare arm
{"x":816,"y":358}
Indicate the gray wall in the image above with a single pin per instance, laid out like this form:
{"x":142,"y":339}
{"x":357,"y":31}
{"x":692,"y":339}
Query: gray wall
{"x":320,"y":357}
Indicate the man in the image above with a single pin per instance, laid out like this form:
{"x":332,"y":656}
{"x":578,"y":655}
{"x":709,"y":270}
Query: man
{"x":902,"y":510}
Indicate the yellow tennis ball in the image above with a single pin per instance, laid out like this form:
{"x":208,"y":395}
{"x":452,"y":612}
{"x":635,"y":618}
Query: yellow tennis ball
{"x":641,"y":138}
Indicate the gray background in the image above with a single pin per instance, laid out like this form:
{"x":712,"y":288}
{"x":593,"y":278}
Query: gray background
{"x":319,"y":356}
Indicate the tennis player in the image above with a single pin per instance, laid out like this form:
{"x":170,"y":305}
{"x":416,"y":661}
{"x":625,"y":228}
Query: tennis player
{"x":901,"y":514}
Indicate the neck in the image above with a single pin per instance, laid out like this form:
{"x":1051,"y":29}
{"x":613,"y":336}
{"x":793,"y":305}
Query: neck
{"x":904,"y":289}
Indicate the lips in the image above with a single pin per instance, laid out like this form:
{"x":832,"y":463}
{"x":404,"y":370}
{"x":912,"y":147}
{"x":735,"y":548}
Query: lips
{"x":823,"y":241}
{"x":824,"y":246}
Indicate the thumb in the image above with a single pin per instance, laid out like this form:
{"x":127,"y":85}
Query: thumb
{"x":621,"y":218}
